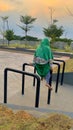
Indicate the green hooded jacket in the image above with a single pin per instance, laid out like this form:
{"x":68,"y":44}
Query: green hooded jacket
{"x":43,"y":52}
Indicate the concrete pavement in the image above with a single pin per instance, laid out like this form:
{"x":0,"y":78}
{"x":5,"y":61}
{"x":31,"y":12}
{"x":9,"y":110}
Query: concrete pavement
{"x":60,"y":102}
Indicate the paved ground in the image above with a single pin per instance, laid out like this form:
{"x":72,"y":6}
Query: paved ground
{"x":60,"y":102}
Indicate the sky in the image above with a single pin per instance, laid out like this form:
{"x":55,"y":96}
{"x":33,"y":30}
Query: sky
{"x":41,"y":10}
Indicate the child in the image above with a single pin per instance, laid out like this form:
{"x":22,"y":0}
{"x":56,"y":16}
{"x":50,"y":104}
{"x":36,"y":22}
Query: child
{"x":43,"y":60}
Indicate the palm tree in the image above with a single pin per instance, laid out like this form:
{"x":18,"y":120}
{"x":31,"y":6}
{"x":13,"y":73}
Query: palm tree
{"x":53,"y":31}
{"x":4,"y":19}
{"x":27,"y":21}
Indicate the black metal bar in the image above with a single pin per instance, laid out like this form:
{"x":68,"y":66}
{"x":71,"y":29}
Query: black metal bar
{"x":23,"y":78}
{"x":58,"y":74}
{"x":57,"y":80}
{"x":62,"y":78}
{"x":25,"y":73}
{"x":50,"y":82}
{"x":5,"y":86}
{"x":37,"y":93}
{"x":63,"y":69}
{"x":49,"y":91}
{"x":34,"y":77}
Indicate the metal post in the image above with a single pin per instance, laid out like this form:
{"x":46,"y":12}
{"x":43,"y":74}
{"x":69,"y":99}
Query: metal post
{"x":49,"y":91}
{"x":63,"y":69}
{"x":34,"y":77}
{"x":62,"y":77}
{"x":23,"y":79}
{"x":37,"y":92}
{"x":58,"y":73}
{"x":5,"y":86}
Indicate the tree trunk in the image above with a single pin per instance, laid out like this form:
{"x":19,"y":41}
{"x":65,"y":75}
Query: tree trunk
{"x":8,"y":42}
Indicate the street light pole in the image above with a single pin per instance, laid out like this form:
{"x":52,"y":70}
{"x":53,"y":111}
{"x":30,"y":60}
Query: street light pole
{"x":51,"y":14}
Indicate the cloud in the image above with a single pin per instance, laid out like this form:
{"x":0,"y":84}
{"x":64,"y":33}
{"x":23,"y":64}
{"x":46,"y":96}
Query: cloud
{"x":10,"y":5}
{"x":5,"y":6}
{"x":38,"y":9}
{"x":30,"y":7}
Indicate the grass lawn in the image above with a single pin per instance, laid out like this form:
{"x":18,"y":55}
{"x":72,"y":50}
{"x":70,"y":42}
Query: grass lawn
{"x":68,"y":66}
{"x":22,"y":120}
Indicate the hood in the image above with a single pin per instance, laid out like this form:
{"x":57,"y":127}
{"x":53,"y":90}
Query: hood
{"x":45,"y":42}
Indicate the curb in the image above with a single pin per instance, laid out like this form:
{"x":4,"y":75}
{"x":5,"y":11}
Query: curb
{"x":32,"y":51}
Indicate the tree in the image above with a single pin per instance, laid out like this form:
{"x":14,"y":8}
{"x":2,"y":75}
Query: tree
{"x":9,"y":35}
{"x":53,"y":31}
{"x":4,"y":19}
{"x":16,"y":37}
{"x":27,"y":21}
